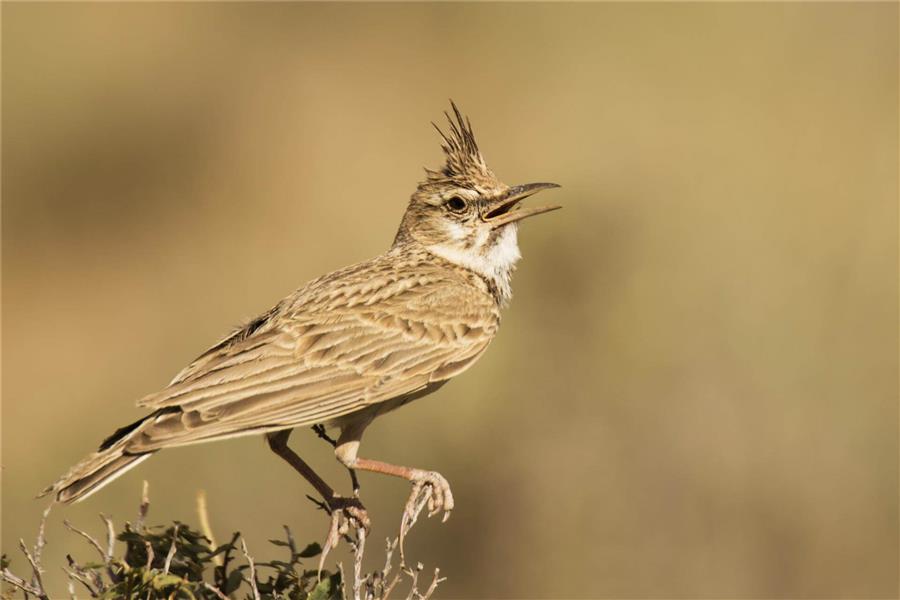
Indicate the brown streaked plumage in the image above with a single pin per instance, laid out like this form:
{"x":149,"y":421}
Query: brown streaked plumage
{"x":353,"y":344}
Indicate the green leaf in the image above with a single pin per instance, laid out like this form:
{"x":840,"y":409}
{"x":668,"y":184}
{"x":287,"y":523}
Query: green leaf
{"x":313,"y":549}
{"x":162,"y":581}
{"x":327,"y":589}
{"x":233,"y":582}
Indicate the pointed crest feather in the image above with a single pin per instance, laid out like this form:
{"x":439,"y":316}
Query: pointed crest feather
{"x":464,"y":162}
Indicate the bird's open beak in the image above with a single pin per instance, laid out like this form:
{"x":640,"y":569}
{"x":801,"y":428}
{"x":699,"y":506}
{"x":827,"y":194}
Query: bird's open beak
{"x":504,"y":209}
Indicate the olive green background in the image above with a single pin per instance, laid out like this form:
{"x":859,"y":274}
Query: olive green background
{"x":694,"y":392}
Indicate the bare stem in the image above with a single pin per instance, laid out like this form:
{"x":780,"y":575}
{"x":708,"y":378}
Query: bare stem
{"x":252,"y":570}
{"x":144,"y":507}
{"x":37,"y":581}
{"x":93,"y":542}
{"x":110,"y":537}
{"x":150,"y":555}
{"x":41,"y":540}
{"x":90,"y":580}
{"x":359,"y":549}
{"x":215,"y":591}
{"x":435,"y":581}
{"x":110,"y":547}
{"x":290,"y":539}
{"x":20,"y":583}
{"x":74,"y":575}
{"x":168,"y":564}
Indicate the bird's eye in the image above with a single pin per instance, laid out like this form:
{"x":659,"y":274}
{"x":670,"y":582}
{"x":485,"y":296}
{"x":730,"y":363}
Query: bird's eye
{"x":456,"y":204}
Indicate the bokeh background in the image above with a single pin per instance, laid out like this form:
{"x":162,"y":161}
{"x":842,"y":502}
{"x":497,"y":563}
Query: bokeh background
{"x":695,"y":390}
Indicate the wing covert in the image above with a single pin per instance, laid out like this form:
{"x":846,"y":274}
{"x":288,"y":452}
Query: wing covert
{"x":295,"y":369}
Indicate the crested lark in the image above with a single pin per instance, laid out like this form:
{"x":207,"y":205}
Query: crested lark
{"x":353,"y":344}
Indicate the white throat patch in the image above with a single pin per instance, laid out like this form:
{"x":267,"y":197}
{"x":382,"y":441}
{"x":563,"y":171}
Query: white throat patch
{"x":495,"y":263}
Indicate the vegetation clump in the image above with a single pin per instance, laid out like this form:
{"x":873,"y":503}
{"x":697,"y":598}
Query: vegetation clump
{"x":177,"y":562}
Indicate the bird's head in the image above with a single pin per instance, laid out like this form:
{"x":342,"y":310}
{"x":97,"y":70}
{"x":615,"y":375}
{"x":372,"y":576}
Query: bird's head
{"x":464,"y":214}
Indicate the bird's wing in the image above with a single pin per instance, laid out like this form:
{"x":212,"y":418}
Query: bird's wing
{"x":309,"y":369}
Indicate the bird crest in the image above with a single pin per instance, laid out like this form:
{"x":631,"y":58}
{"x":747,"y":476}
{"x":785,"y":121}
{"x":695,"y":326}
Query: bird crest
{"x":464,"y":164}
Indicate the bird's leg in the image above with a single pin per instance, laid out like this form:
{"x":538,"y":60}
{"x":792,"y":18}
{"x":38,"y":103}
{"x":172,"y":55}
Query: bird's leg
{"x":428,"y":486}
{"x":345,"y":512}
{"x":319,"y":430}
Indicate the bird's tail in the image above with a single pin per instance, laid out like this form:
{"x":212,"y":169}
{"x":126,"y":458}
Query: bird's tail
{"x":98,"y":469}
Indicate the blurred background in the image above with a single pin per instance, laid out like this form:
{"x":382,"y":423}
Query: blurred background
{"x":695,"y":390}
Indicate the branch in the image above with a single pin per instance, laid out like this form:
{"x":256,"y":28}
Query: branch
{"x":7,"y":576}
{"x":215,"y":591}
{"x":144,"y":507}
{"x":86,"y":536}
{"x":253,"y":584}
{"x":37,"y":581}
{"x":171,"y":554}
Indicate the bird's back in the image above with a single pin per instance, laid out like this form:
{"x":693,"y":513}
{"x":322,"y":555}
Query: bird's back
{"x":390,"y":327}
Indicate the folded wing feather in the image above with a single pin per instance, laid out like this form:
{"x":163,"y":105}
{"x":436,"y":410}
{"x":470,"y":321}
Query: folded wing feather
{"x":303,"y":373}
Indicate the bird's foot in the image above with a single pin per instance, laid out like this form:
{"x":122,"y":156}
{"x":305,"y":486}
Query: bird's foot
{"x":347,"y":515}
{"x":433,"y":486}
{"x":430,"y":489}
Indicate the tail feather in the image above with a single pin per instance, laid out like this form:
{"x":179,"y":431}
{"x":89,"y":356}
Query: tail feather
{"x":93,"y":473}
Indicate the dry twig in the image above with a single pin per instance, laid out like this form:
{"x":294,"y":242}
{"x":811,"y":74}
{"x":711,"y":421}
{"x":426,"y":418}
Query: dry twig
{"x":36,"y":586}
{"x":168,"y":564}
{"x":437,"y":579}
{"x":359,"y":549}
{"x":253,"y":585}
{"x":76,"y":573}
{"x":93,"y":542}
{"x":144,"y":508}
{"x":37,"y":581}
{"x":110,"y":547}
{"x":411,"y":516}
{"x":150,"y":555}
{"x":41,"y":539}
{"x":20,"y":583}
{"x":215,"y":591}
